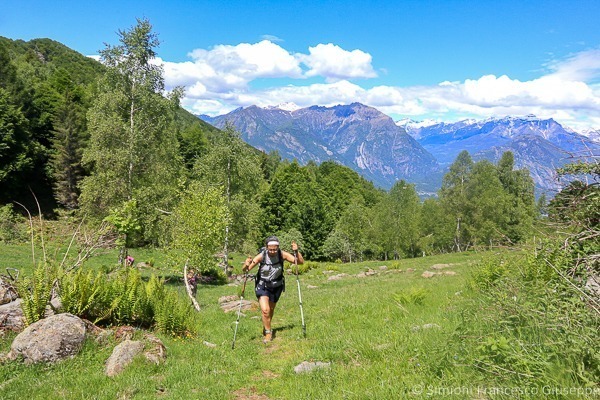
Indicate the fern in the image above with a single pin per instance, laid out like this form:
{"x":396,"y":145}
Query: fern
{"x":36,"y":293}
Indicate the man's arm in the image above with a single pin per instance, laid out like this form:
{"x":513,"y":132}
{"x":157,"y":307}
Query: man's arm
{"x":251,"y":263}
{"x":290,"y":257}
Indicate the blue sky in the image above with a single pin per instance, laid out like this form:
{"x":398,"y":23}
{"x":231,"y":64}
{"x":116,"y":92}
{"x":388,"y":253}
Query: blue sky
{"x":441,"y":60}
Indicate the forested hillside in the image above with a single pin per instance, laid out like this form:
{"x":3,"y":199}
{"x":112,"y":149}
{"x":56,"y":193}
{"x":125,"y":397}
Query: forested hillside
{"x":104,"y":141}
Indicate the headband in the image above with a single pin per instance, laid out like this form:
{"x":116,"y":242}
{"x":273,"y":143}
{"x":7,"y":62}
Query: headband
{"x":273,"y":242}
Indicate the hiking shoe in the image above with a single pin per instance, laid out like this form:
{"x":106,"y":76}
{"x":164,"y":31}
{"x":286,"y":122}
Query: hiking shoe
{"x":267,"y":337}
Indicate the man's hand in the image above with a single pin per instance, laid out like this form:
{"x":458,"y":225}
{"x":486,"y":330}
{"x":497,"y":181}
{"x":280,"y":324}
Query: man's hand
{"x":246,"y":266}
{"x":294,"y":246}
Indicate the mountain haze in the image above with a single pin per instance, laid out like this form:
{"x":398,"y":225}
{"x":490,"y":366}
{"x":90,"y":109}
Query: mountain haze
{"x":540,"y":145}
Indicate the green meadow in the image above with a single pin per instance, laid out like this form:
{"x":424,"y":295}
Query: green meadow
{"x":390,"y":334}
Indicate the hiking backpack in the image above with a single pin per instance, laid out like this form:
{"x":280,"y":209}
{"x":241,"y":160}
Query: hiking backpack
{"x":274,"y":277}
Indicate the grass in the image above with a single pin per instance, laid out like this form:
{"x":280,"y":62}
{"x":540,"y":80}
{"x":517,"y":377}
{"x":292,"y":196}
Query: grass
{"x":378,"y":347}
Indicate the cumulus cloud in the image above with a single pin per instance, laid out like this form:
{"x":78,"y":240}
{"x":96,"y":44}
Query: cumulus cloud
{"x":335,"y":63}
{"x":219,"y":80}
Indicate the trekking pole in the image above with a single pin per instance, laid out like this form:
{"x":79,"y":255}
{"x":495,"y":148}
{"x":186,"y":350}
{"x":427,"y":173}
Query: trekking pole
{"x":299,"y":293}
{"x":237,"y":322}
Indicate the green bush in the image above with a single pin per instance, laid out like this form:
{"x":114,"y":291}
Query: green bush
{"x":411,"y":296}
{"x":36,"y":292}
{"x":12,"y":226}
{"x":124,"y":298}
{"x":489,"y":273}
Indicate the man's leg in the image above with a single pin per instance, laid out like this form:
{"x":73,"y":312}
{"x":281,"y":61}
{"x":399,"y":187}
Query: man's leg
{"x":267,"y":313}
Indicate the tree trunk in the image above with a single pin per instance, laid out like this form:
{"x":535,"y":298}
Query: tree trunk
{"x":188,"y":289}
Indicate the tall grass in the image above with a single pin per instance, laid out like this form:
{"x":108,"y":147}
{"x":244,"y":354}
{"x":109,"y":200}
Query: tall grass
{"x":393,"y":335}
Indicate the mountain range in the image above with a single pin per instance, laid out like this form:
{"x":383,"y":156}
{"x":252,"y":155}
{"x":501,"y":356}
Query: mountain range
{"x":384,"y":151}
{"x":354,"y":135}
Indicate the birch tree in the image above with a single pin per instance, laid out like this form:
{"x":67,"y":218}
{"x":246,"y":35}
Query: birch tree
{"x":133,"y":152}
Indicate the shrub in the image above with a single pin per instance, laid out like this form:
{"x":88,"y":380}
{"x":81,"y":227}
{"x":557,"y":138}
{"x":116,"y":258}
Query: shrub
{"x":12,"y":228}
{"x":411,"y":296}
{"x":125,"y":299}
{"x":36,"y":292}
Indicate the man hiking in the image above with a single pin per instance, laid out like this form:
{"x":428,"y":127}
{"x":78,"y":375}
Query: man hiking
{"x":270,"y":282}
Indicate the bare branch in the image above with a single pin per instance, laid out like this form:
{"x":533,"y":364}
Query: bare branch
{"x":188,"y":289}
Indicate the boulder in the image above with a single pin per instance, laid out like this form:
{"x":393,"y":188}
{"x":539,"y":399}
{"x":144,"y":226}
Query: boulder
{"x":11,"y":316}
{"x":49,"y":340}
{"x":235,"y":305}
{"x":428,"y":274}
{"x":337,"y":277}
{"x":154,"y":349}
{"x":122,"y":355}
{"x":307,"y":366}
{"x":7,"y":292}
{"x":227,"y":299}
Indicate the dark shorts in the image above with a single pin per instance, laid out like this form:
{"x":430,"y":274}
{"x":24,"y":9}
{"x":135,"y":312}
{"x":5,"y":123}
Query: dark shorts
{"x":272,"y":294}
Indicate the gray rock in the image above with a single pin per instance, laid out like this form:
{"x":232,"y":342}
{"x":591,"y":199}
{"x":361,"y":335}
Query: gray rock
{"x":122,"y":355}
{"x":154,"y":349}
{"x":592,"y":285}
{"x":307,"y":366}
{"x":337,"y":277}
{"x":235,"y":305}
{"x":425,"y":326}
{"x":227,"y":299}
{"x":11,"y":316}
{"x":7,"y":292}
{"x":49,"y":340}
{"x":428,"y":274}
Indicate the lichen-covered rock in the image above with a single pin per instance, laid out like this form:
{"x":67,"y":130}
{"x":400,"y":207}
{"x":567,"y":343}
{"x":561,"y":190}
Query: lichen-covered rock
{"x":154,"y":349}
{"x":11,"y":316}
{"x":307,"y":366}
{"x":122,"y":355}
{"x":7,"y":292}
{"x":49,"y":340}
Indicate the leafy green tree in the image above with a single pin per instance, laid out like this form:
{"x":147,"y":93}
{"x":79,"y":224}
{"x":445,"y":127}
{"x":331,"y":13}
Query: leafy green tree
{"x":519,"y":187}
{"x":488,"y":205}
{"x":453,"y":196}
{"x":295,"y":200}
{"x":337,"y":246}
{"x":198,"y":228}
{"x":397,"y":221}
{"x":437,"y":228}
{"x":231,"y":165}
{"x":354,"y":224}
{"x":133,"y":148}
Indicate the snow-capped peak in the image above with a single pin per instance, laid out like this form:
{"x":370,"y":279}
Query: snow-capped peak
{"x":287,"y":106}
{"x":407,"y":122}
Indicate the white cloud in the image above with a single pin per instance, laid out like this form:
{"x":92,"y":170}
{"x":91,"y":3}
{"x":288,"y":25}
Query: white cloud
{"x":582,"y":66}
{"x":225,"y":68}
{"x":335,"y":63}
{"x":218,"y":80}
{"x":271,"y":38}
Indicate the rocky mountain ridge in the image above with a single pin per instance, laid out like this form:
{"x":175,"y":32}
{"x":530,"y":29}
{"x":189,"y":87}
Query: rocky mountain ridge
{"x":384,"y":151}
{"x":354,"y":135}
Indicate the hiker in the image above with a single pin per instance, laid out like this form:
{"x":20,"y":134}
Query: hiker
{"x":270,"y":282}
{"x":129,"y":261}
